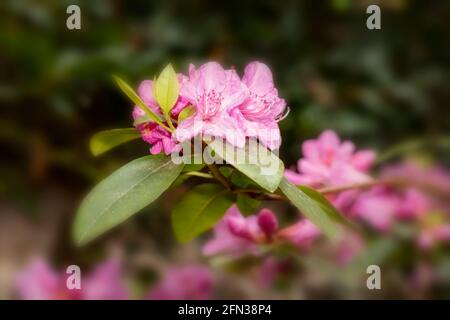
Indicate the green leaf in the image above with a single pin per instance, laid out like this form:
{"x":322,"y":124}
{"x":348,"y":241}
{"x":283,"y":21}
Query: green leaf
{"x":108,"y":139}
{"x":240,"y":180}
{"x":326,"y":206}
{"x":226,"y":171}
{"x":137,"y":100}
{"x":199,"y":210}
{"x":325,"y":221}
{"x":186,"y":113}
{"x":247,"y":205}
{"x":167,"y":89}
{"x":122,"y":194}
{"x":254,"y":160}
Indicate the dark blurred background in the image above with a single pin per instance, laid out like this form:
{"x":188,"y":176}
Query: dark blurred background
{"x":384,"y":89}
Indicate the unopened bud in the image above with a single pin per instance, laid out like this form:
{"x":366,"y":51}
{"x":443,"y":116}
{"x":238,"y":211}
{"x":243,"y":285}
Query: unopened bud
{"x":267,"y":222}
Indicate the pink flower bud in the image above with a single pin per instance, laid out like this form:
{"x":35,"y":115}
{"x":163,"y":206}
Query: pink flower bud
{"x":268,"y":222}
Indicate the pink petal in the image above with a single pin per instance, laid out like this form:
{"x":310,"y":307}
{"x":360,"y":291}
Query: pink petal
{"x":145,"y":91}
{"x":258,"y":78}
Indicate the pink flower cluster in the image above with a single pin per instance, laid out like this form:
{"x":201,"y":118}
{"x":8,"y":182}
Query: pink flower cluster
{"x":238,"y":235}
{"x":328,"y":161}
{"x":225,"y":105}
{"x":381,"y":206}
{"x":40,"y":282}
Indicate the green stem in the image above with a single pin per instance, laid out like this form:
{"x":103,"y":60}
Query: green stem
{"x":169,"y":121}
{"x":199,"y":174}
{"x":219,"y":176}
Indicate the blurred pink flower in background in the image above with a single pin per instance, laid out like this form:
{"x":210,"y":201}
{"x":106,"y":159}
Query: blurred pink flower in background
{"x":382,"y":206}
{"x":434,"y":179}
{"x":105,"y":282}
{"x":377,"y":207}
{"x":413,"y":204}
{"x":40,"y":282}
{"x":238,"y":235}
{"x":328,"y":161}
{"x":434,"y":176}
{"x":184,"y":283}
{"x":302,"y":234}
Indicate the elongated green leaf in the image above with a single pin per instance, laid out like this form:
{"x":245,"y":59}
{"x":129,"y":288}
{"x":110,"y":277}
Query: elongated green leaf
{"x":108,"y":139}
{"x":122,"y":194}
{"x":137,"y":100}
{"x":326,"y":206}
{"x":240,"y":180}
{"x":254,"y":160}
{"x":199,"y":210}
{"x":325,"y":221}
{"x":167,"y":89}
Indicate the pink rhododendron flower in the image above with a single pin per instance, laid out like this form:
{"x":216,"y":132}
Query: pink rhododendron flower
{"x":40,"y":282}
{"x":302,"y":234}
{"x":259,"y":113}
{"x":224,"y":106}
{"x":213,"y":92}
{"x":184,"y":283}
{"x":328,"y":161}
